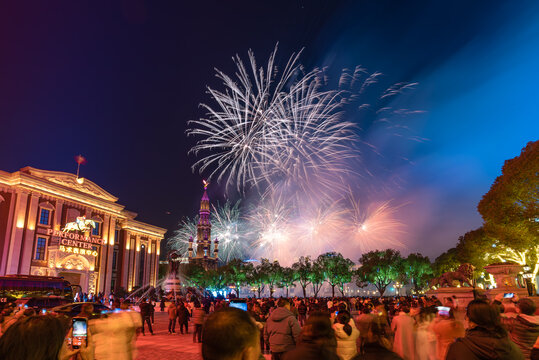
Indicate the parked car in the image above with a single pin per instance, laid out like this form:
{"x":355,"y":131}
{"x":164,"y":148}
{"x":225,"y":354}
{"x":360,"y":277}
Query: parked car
{"x":45,"y":302}
{"x":74,"y":309}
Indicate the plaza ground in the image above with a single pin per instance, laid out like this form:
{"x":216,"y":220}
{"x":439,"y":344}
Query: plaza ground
{"x":168,"y":346}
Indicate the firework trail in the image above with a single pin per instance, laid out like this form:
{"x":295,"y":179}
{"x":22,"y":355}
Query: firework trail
{"x":180,"y":240}
{"x":286,"y":134}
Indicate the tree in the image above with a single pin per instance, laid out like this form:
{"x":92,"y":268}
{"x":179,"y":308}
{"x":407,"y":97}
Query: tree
{"x":510,"y":209}
{"x":448,"y":261}
{"x":216,"y":279}
{"x":380,"y":268}
{"x":336,"y":270}
{"x":287,"y":278}
{"x":418,"y":269}
{"x":302,"y":270}
{"x":258,"y":277}
{"x":196,"y":276}
{"x":317,"y":277}
{"x":272,"y":273}
{"x":236,"y":274}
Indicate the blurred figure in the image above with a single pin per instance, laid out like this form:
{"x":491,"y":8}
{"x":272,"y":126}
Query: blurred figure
{"x":172,"y":314}
{"x":162,"y":304}
{"x":485,"y":337}
{"x":114,"y":336}
{"x":146,"y":314}
{"x":346,"y":334}
{"x":446,"y":329}
{"x":231,"y":334}
{"x":198,"y":320}
{"x":364,"y":322}
{"x":524,"y":328}
{"x":317,"y":340}
{"x":425,"y":339}
{"x":282,"y":330}
{"x":183,"y":317}
{"x":86,"y":310}
{"x":302,"y":313}
{"x":40,"y":338}
{"x":403,"y":328}
{"x":377,"y":344}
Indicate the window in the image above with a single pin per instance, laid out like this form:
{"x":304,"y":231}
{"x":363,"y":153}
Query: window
{"x":116,"y":236}
{"x":114,"y":259}
{"x":97,"y":230}
{"x":44,"y":217}
{"x":40,"y":248}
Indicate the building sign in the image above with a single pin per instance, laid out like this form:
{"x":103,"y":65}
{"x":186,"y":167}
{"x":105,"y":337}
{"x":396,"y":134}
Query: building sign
{"x":80,"y":224}
{"x":76,"y":243}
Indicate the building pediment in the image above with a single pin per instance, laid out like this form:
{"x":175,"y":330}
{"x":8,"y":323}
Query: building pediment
{"x":70,"y":181}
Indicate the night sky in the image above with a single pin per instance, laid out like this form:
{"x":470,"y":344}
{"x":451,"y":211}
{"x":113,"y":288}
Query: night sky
{"x":117,"y":82}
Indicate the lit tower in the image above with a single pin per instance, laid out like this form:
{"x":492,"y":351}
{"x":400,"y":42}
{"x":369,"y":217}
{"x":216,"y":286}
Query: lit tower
{"x":204,"y":254}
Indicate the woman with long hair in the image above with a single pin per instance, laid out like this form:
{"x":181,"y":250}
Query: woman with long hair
{"x":485,"y":337}
{"x":346,"y":334}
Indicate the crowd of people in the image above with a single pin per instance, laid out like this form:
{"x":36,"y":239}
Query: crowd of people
{"x":410,"y":328}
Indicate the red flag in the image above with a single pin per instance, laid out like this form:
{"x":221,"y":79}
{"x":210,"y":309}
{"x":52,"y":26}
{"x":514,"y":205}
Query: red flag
{"x":81,"y":160}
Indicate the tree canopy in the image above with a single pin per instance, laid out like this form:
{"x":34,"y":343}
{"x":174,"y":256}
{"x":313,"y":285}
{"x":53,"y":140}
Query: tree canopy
{"x":380,"y":268}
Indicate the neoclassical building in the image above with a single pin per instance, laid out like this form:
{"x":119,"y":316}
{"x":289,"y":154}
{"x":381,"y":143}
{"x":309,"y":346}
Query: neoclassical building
{"x":53,"y":223}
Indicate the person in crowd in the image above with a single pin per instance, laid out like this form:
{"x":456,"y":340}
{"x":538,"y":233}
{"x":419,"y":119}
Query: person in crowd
{"x":317,"y":340}
{"x":346,"y":334}
{"x":230,"y":334}
{"x":524,"y":328}
{"x":152,"y":310}
{"x":183,"y":317}
{"x":172,"y":315}
{"x":16,"y":317}
{"x":425,"y":339}
{"x":113,"y":337}
{"x":40,"y":338}
{"x":485,"y":337}
{"x":86,"y":310}
{"x":198,"y":320}
{"x":282,"y":330}
{"x":146,"y":314}
{"x":447,"y":329}
{"x":162,"y":304}
{"x":377,"y":344}
{"x":302,"y":312}
{"x":363,"y":322}
{"x":402,"y":326}
{"x":534,"y":355}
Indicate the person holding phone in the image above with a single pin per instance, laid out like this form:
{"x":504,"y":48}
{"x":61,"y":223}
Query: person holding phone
{"x":447,"y":329}
{"x":19,"y":341}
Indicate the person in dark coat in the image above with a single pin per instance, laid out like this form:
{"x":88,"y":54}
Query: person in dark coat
{"x":524,"y":328}
{"x":317,"y":340}
{"x":485,"y":337}
{"x":162,"y":304}
{"x":282,"y":330}
{"x":199,"y":316}
{"x":302,"y":312}
{"x":377,"y":344}
{"x":183,"y":317}
{"x":146,"y":314}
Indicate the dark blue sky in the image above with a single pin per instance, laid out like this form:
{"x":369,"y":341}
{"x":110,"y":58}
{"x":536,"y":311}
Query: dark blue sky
{"x":116,"y":81}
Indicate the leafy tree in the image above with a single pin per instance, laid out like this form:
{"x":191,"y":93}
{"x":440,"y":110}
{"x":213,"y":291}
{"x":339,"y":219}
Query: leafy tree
{"x":477,"y":248}
{"x":272,"y":273}
{"x":510,"y":209}
{"x":257,"y":276}
{"x":448,"y":261}
{"x":302,"y":271}
{"x":287,"y":278}
{"x":317,"y":277}
{"x":196,"y":275}
{"x":418,"y":269}
{"x":236,"y":274}
{"x":380,"y":268}
{"x":336,"y":270}
{"x":216,"y":279}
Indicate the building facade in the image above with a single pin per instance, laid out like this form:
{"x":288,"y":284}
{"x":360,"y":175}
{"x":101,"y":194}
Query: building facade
{"x":56,"y":224}
{"x":204,"y":255}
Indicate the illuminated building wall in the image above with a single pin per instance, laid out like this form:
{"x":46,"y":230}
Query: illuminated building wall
{"x":36,"y":205}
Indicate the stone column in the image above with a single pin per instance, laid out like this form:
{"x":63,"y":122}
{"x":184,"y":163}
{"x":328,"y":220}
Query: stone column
{"x":57,"y":224}
{"x":7,"y":238}
{"x":17,"y":230}
{"x":110,"y":250}
{"x":103,"y":253}
{"x":136,"y":262}
{"x":29,"y":236}
{"x":147,"y":266}
{"x":156,"y":262}
{"x":125,"y":260}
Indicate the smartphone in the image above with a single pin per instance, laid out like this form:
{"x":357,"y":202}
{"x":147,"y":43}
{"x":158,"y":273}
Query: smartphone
{"x":508,"y":295}
{"x":242,"y":305}
{"x":80,"y":332}
{"x":336,"y":313}
{"x":443,"y":310}
{"x":44,"y":311}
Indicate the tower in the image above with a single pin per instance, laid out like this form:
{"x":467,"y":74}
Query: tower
{"x":204,"y":255}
